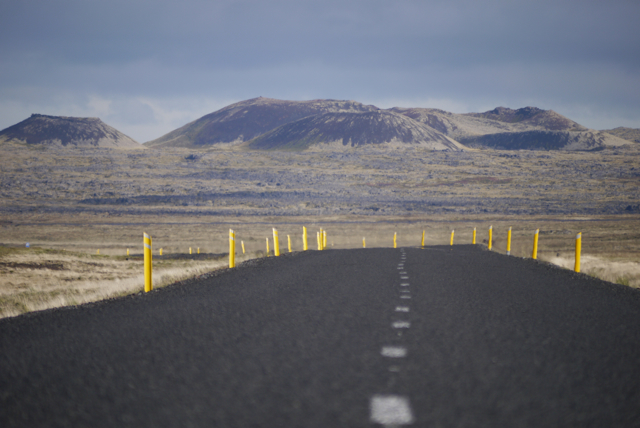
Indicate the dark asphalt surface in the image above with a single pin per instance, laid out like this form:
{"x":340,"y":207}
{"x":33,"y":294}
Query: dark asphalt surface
{"x":297,"y":341}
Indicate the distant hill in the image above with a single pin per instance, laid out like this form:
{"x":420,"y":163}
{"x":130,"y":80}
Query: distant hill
{"x":532,"y":116}
{"x":629,"y":134}
{"x":265,"y":123}
{"x":544,"y":140}
{"x":528,"y":128}
{"x":343,"y":129}
{"x":248,"y":119}
{"x":66,"y":131}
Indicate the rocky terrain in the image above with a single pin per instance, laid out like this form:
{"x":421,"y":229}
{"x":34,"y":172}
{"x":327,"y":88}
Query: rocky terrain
{"x":371,"y":181}
{"x":264,"y":123}
{"x":66,"y":131}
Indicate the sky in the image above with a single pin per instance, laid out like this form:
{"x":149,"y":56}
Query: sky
{"x":148,"y":67}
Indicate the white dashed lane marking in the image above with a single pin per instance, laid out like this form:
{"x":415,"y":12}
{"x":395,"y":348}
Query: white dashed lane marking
{"x":394,"y":410}
{"x":401,"y":324}
{"x":394,"y":351}
{"x":391,"y":410}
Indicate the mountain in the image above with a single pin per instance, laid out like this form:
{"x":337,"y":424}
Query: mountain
{"x":544,"y":140}
{"x":265,"y":123}
{"x":629,"y":134}
{"x":66,"y":131}
{"x":348,"y":129}
{"x":248,"y":119}
{"x":528,"y":128}
{"x":531,"y":116}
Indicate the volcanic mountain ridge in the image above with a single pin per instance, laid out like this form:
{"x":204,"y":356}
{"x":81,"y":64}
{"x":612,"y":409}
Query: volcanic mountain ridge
{"x":263,"y":123}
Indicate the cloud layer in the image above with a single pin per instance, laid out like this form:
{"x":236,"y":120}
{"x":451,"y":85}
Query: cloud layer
{"x":147,"y":67}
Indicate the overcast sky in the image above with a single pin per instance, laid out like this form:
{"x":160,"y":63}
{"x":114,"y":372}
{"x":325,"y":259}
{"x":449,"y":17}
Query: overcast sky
{"x":148,"y":67}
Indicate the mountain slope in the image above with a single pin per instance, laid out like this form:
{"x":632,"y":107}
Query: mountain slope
{"x":247,"y":119}
{"x":333,"y":130}
{"x":629,"y":134}
{"x":67,"y":131}
{"x":528,"y":128}
{"x":545,"y":140}
{"x":532,"y":116}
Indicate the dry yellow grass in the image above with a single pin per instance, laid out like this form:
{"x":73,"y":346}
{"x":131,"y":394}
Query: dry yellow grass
{"x":38,"y":279}
{"x":64,"y":270}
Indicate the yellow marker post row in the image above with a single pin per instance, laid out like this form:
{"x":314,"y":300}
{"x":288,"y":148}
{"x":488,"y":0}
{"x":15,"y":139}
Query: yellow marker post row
{"x":232,"y":249}
{"x":148,"y":263}
{"x":534,"y":253}
{"x":578,"y":251}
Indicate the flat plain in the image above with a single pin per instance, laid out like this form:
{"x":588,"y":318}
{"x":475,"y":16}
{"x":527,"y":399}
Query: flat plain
{"x":68,"y":204}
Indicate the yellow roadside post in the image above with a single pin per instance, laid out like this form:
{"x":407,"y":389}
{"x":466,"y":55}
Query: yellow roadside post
{"x":98,"y":252}
{"x":364,"y":244}
{"x":198,"y":250}
{"x":422,"y":244}
{"x":452,"y":236}
{"x":509,"y":242}
{"x":267,"y":247}
{"x":232,"y":249}
{"x":148,"y":266}
{"x":289,"y":240}
{"x":305,"y":244}
{"x":160,"y":251}
{"x":242,"y":242}
{"x":474,"y":236}
{"x":324,"y":239}
{"x":276,"y":243}
{"x":189,"y":250}
{"x":490,"y":236}
{"x":321,"y":247}
{"x":319,"y":241}
{"x":578,"y":251}
{"x":394,"y":239}
{"x":534,"y":254}
{"x":127,"y":251}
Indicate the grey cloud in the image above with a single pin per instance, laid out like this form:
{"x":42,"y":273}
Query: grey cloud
{"x":474,"y":52}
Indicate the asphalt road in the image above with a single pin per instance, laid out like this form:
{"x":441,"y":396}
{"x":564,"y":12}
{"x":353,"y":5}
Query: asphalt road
{"x":434,"y":337}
